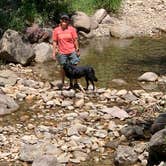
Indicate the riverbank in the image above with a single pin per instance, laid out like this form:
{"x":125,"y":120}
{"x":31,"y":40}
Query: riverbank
{"x":68,"y":126}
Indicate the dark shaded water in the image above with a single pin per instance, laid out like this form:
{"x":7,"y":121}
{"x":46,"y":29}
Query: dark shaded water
{"x":113,"y":58}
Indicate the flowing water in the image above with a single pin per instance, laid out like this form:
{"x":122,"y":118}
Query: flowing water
{"x":114,"y":58}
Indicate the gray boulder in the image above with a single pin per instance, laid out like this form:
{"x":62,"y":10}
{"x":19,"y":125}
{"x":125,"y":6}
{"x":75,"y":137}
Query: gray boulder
{"x":13,"y":49}
{"x":43,"y":52}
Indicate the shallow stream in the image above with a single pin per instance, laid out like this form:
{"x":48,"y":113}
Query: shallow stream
{"x":113,"y":58}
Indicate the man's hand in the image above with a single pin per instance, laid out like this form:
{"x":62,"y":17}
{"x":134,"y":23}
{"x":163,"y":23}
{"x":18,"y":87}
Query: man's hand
{"x":54,"y":57}
{"x":78,"y":52}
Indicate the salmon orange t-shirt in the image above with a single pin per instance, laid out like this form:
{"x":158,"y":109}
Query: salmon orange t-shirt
{"x":65,"y":39}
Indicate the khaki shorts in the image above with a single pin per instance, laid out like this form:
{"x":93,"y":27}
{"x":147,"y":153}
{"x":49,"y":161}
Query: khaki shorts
{"x":72,"y":58}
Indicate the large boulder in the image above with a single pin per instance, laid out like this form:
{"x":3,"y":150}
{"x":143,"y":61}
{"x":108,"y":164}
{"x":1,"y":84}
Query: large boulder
{"x":81,"y":21}
{"x":13,"y":49}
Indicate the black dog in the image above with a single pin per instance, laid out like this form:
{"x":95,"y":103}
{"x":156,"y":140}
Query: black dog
{"x":75,"y":72}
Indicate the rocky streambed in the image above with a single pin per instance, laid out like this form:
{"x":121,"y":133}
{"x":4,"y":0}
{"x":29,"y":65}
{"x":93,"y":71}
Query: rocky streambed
{"x":68,"y":127}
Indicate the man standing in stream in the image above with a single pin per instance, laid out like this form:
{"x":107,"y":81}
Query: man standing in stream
{"x":65,"y":45}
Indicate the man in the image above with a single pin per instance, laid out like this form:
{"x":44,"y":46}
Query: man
{"x":65,"y":45}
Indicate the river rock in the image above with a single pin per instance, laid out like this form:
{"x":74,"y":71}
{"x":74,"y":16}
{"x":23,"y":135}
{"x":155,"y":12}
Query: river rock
{"x":148,"y":76}
{"x":7,"y":105}
{"x":116,"y":112}
{"x":133,"y":132}
{"x":45,"y":160}
{"x":7,"y":77}
{"x":28,"y":152}
{"x":125,"y":155}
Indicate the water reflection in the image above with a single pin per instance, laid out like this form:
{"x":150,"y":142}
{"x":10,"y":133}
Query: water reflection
{"x":126,"y":59}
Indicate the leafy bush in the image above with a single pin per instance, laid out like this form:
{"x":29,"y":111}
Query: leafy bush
{"x":17,"y":13}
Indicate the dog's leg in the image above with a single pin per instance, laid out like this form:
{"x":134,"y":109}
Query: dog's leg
{"x":71,"y":84}
{"x":92,"y":84}
{"x":87,"y":83}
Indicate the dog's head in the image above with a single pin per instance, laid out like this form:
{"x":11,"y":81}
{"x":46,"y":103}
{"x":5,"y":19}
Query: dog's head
{"x":68,"y":67}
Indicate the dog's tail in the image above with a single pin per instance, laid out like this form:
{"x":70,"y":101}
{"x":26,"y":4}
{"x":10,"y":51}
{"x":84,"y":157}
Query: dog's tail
{"x":93,"y":75}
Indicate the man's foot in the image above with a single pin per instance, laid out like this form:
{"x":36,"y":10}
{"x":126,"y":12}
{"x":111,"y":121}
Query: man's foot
{"x":60,"y":86}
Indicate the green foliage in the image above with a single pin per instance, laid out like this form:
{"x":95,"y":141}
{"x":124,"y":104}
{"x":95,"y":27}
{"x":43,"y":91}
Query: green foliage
{"x":16,"y":14}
